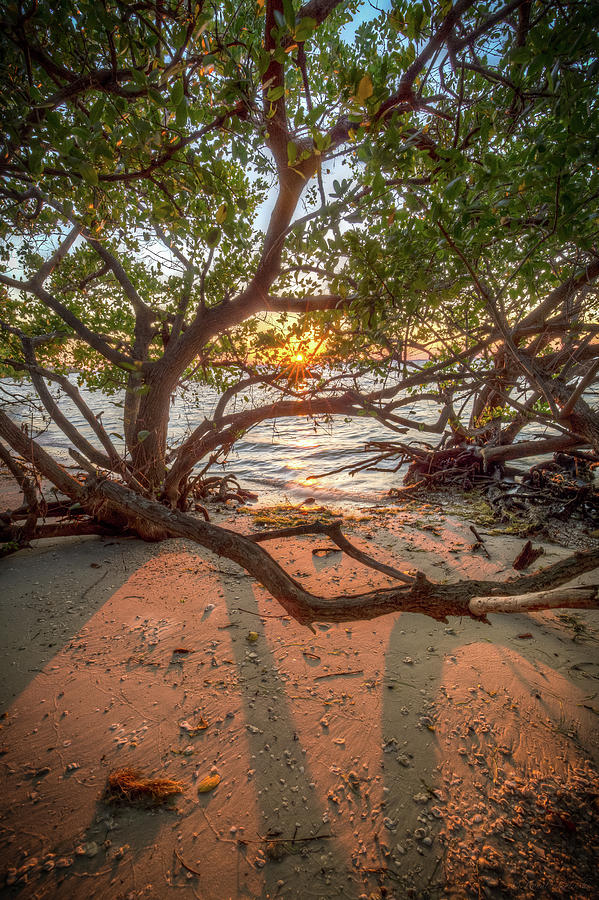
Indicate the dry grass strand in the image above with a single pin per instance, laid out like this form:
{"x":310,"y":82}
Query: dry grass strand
{"x":130,"y":785}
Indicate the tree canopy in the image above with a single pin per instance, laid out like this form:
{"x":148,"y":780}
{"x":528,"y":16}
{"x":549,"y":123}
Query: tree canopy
{"x":194,"y":191}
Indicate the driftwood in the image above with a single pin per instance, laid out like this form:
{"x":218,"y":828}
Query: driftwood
{"x":559,"y":598}
{"x":527,"y":556}
{"x":423,"y":596}
{"x":118,"y":508}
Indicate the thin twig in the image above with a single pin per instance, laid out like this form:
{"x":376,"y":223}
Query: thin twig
{"x":335,"y":674}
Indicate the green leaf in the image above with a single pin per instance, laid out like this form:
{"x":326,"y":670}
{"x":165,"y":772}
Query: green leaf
{"x":181,"y":114}
{"x":176,"y":94}
{"x":213,"y":236}
{"x":275,"y":93}
{"x":289,"y":13}
{"x":178,"y":37}
{"x":95,"y":113}
{"x":221,"y":214}
{"x":305,"y":29}
{"x":142,"y":435}
{"x":87,"y":172}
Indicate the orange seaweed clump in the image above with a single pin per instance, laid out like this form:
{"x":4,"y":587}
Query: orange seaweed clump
{"x":131,"y":786}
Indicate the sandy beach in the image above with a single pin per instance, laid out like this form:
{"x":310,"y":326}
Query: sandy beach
{"x":385,"y":759}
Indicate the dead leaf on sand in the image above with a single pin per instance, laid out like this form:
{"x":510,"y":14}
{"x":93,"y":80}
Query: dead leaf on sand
{"x":208,"y":783}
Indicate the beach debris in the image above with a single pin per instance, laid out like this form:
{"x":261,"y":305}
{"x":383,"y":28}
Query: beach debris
{"x":336,"y":674}
{"x":527,"y":556}
{"x":184,"y":864}
{"x":130,"y":785}
{"x":354,"y":781}
{"x":208,"y":783}
{"x":479,"y":543}
{"x":276,"y":850}
{"x":89,"y":849}
{"x":194,"y":729}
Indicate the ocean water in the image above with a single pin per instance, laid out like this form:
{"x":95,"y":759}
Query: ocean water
{"x":276,"y":459}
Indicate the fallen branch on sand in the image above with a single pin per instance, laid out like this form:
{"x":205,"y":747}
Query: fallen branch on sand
{"x":113,"y":505}
{"x":421,"y":595}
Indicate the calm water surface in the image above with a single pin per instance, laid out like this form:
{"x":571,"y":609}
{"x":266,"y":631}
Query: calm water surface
{"x":275,"y":459}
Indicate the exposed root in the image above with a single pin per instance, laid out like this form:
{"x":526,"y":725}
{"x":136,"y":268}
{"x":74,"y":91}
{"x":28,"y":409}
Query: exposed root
{"x":130,"y":786}
{"x":215,"y":488}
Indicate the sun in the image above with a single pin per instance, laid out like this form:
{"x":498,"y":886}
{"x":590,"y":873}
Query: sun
{"x":297,"y":358}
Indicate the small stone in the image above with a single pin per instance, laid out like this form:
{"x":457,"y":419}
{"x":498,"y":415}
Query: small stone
{"x":403,"y":760}
{"x":64,"y":862}
{"x":91,"y":849}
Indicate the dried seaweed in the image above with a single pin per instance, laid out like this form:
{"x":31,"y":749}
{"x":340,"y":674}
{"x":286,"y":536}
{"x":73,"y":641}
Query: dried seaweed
{"x":131,"y":786}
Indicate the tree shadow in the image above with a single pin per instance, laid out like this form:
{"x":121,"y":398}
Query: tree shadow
{"x":48,"y":594}
{"x":502,"y":746}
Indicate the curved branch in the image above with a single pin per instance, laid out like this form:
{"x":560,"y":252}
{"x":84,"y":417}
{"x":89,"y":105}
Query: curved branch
{"x":435,"y":600}
{"x":333,"y":531}
{"x":42,"y":461}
